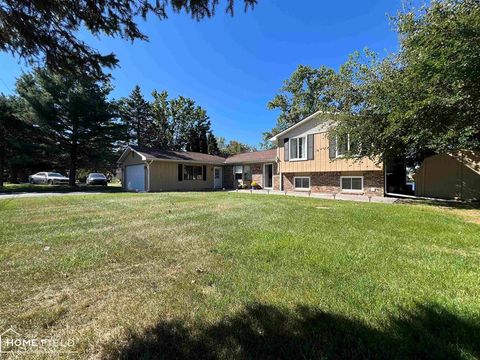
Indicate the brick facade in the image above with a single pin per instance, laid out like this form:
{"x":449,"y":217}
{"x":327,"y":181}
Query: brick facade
{"x":329,"y":182}
{"x":257,"y":176}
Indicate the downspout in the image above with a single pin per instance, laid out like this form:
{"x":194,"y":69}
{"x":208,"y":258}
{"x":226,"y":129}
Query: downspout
{"x":148,"y":175}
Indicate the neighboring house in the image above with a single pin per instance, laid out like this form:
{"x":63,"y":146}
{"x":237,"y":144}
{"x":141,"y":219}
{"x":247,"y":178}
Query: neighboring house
{"x":449,"y":176}
{"x":311,"y":160}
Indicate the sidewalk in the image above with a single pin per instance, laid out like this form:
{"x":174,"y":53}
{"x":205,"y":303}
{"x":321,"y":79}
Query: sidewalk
{"x":327,"y":196}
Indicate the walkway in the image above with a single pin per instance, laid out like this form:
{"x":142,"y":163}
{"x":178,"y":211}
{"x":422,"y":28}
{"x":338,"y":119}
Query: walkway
{"x":328,"y":196}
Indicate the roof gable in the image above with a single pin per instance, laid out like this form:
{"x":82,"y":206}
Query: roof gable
{"x":315,"y":123}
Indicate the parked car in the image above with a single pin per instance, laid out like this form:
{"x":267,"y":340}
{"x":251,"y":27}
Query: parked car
{"x":49,"y":178}
{"x":96,"y":179}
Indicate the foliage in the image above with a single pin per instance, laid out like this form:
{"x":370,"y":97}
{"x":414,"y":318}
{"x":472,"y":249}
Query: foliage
{"x":75,"y":115}
{"x":137,"y":114}
{"x":425,"y":99}
{"x":47,"y":31}
{"x":175,"y":124}
{"x":233,"y":147}
{"x":306,"y":91}
{"x":22,"y":145}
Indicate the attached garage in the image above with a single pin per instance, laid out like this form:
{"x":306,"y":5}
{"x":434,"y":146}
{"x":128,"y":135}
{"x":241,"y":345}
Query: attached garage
{"x":146,"y":169}
{"x":135,"y":177}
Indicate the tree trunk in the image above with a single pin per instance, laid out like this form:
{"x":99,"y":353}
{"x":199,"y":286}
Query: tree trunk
{"x":72,"y":173}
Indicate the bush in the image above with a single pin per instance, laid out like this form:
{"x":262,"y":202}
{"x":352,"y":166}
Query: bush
{"x":255,"y":185}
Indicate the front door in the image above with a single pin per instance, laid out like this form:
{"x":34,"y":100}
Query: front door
{"x":267,"y":176}
{"x":217,"y":177}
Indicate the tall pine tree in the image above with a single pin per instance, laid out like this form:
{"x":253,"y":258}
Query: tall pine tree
{"x":75,"y":114}
{"x":136,"y":113}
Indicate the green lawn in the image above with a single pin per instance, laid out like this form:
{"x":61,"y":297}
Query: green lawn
{"x":226,"y":275}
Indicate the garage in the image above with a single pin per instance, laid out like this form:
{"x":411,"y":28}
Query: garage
{"x":135,"y":177}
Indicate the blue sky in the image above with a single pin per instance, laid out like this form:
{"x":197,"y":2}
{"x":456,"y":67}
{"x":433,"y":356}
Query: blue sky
{"x":232,"y":66}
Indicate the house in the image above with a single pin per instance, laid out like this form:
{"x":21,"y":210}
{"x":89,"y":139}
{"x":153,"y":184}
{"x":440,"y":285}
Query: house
{"x":449,"y":176}
{"x":145,"y":169}
{"x":306,"y":159}
{"x":311,"y":160}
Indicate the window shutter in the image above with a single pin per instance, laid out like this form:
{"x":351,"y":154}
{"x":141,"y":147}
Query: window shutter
{"x":332,"y":147}
{"x":204,"y":173}
{"x":310,"y":147}
{"x":180,"y":172}
{"x":286,"y":149}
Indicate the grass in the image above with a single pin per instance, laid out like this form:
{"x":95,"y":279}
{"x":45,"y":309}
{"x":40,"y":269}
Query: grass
{"x":10,"y":188}
{"x":225,"y":275}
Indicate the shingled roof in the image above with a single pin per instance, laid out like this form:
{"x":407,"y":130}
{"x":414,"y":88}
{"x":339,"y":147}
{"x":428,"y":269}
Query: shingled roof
{"x":253,"y":157}
{"x":190,"y":156}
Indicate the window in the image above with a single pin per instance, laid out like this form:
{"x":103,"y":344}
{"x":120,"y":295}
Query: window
{"x":302,"y":183}
{"x":238,"y":171}
{"x":247,"y":172}
{"x":192,"y":172}
{"x":351,"y":183}
{"x":346,"y":145}
{"x":298,"y":148}
{"x":217,"y":173}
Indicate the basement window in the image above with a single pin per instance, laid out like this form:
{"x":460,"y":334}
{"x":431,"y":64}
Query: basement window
{"x":302,"y":182}
{"x":351,"y":183}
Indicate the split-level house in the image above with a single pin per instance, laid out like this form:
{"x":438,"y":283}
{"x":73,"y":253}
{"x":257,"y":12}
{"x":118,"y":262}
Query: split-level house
{"x":310,"y":159}
{"x":306,"y":159}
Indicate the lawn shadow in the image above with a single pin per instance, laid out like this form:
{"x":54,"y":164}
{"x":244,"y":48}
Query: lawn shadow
{"x":268,"y":332}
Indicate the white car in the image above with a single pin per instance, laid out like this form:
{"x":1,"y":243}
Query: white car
{"x":49,"y":178}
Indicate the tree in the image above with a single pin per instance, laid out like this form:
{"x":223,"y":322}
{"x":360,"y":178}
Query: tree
{"x":75,"y":114}
{"x":212,"y":147}
{"x":306,"y":91}
{"x":160,"y":132}
{"x":47,"y":31}
{"x":426,"y":98}
{"x":233,"y":147}
{"x":136,"y":113}
{"x":22,"y":146}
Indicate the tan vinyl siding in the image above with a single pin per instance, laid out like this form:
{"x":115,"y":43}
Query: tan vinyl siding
{"x":321,"y":161}
{"x":164,"y":177}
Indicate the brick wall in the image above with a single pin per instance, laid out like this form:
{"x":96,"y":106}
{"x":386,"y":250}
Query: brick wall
{"x":329,"y":182}
{"x":257,"y":173}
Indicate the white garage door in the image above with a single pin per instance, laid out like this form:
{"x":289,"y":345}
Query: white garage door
{"x":135,"y":177}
